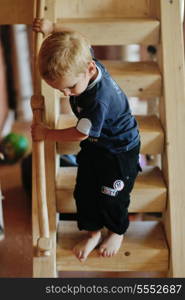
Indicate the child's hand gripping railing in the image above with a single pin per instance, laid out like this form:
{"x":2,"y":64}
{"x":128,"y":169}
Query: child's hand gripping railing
{"x":37,"y":104}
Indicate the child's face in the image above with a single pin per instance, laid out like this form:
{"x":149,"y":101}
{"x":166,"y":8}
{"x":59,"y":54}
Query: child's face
{"x":75,"y":85}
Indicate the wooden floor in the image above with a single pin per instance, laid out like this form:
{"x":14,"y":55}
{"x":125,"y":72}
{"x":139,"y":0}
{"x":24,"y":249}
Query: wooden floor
{"x":16,"y":248}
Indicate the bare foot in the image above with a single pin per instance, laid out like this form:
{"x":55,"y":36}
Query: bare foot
{"x":111,"y":244}
{"x":82,"y":249}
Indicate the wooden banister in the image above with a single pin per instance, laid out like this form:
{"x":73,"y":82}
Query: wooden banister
{"x":37,"y":104}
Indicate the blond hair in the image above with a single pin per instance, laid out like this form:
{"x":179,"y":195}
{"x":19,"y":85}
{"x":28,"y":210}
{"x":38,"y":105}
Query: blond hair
{"x":63,"y":53}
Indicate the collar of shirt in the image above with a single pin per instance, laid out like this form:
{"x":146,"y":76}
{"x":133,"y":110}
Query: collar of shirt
{"x":98,"y":78}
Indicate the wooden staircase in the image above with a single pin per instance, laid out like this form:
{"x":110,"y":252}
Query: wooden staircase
{"x":148,"y":245}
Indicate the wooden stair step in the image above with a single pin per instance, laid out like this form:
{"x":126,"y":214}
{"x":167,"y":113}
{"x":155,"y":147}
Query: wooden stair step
{"x":137,"y":79}
{"x":66,"y":121}
{"x":103,"y":8}
{"x":152,"y":135}
{"x":144,"y":249}
{"x":116,"y":31}
{"x":148,"y":195}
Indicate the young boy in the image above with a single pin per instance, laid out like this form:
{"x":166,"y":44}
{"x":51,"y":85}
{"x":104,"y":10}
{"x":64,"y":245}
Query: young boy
{"x":108,"y":162}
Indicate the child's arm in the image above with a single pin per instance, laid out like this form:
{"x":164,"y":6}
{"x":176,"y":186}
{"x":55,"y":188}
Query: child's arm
{"x":40,"y":132}
{"x":47,"y":27}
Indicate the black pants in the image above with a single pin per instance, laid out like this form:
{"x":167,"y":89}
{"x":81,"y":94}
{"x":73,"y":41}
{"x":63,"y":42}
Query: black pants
{"x":103,"y":185}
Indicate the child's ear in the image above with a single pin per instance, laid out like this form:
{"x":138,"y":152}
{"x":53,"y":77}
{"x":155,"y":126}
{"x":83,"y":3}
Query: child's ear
{"x":91,"y":67}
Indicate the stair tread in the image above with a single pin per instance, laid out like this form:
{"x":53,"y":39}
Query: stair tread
{"x":144,"y":249}
{"x":149,"y":193}
{"x":146,"y":122}
{"x":149,"y":123}
{"x":137,"y":79}
{"x":150,"y":177}
{"x":152,"y":135}
{"x":66,"y":121}
{"x":118,"y":30}
{"x":109,"y":19}
{"x":126,"y":67}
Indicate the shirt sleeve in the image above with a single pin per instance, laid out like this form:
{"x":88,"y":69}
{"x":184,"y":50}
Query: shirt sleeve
{"x":84,"y":126}
{"x":94,"y":119}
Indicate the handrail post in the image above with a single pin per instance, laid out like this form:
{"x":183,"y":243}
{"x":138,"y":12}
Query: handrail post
{"x":37,"y":104}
